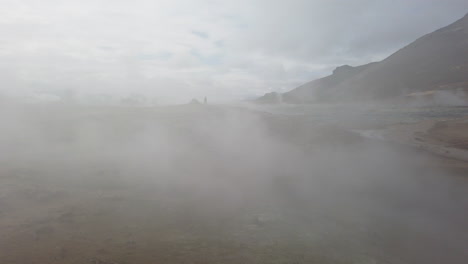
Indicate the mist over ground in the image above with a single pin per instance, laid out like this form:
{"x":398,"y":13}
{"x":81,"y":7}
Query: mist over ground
{"x":356,"y":153}
{"x":218,"y":184}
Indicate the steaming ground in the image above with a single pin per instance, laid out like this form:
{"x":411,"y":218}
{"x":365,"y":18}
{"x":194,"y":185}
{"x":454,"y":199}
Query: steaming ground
{"x":212,"y":184}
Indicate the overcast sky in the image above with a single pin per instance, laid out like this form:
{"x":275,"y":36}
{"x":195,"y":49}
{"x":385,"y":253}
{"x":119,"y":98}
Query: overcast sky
{"x":174,"y":50}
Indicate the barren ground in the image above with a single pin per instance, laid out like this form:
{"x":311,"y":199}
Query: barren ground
{"x":198,"y":184}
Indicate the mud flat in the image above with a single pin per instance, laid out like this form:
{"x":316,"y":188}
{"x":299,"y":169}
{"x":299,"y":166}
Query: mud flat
{"x":448,"y":138}
{"x":209,"y":184}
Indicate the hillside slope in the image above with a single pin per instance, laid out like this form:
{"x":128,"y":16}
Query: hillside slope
{"x":436,"y":61}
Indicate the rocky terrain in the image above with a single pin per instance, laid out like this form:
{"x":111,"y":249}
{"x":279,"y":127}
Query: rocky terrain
{"x":435,"y":62}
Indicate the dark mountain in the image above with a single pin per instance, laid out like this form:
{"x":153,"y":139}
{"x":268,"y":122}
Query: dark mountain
{"x":436,"y":61}
{"x":323,"y":87}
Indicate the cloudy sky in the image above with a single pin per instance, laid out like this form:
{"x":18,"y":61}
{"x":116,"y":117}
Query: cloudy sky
{"x":174,"y":50}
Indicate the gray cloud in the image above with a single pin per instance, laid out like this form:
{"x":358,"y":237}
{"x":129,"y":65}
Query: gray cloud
{"x":177,"y":50}
{"x":200,"y":34}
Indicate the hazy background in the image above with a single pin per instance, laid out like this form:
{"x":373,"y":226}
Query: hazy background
{"x":85,"y":181}
{"x":171,"y":51}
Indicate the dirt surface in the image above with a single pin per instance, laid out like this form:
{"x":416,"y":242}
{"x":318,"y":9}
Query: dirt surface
{"x":447,"y":138}
{"x":121,"y":186}
{"x":451,"y":133}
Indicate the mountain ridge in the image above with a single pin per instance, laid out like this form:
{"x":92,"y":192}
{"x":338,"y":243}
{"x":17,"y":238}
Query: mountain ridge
{"x":437,"y":60}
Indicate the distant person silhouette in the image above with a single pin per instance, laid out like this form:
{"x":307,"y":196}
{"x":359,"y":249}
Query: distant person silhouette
{"x":205,"y":101}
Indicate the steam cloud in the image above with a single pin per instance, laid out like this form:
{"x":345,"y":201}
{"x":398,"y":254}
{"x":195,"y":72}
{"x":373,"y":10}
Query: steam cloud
{"x":232,"y":173}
